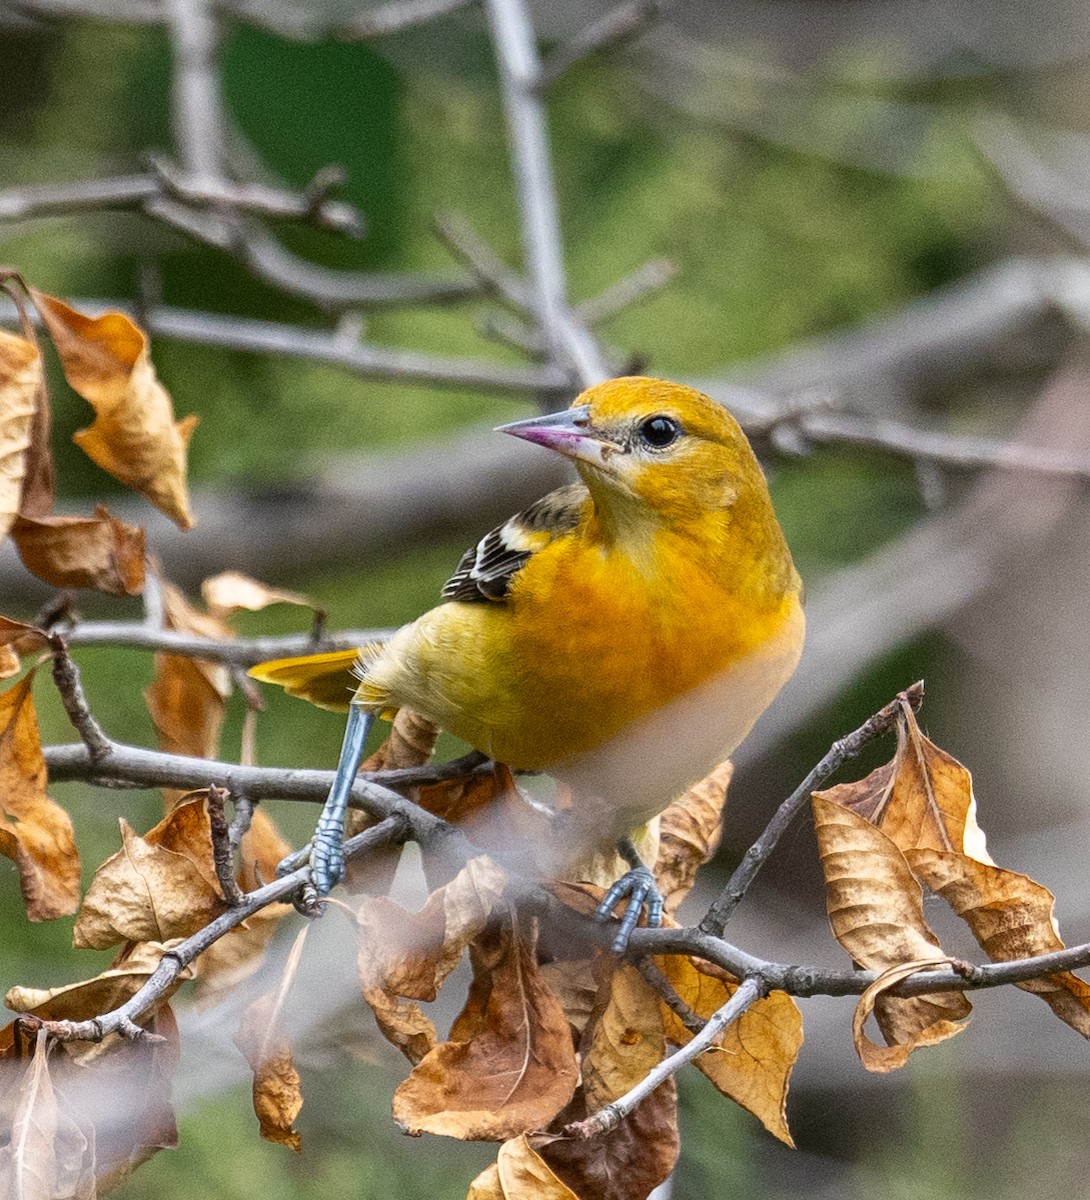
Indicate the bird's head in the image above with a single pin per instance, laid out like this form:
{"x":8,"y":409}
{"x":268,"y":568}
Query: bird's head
{"x":673,"y":451}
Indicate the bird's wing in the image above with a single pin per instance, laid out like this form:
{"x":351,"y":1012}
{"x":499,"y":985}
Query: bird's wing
{"x":486,"y":570}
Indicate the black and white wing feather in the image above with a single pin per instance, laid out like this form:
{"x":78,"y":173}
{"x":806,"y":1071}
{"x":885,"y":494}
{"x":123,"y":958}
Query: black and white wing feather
{"x":486,"y":570}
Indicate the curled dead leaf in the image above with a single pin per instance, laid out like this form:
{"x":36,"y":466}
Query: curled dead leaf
{"x":404,"y":956}
{"x":629,"y":1161}
{"x":134,"y":436}
{"x":1012,"y":917}
{"x":891,"y":1057}
{"x":509,"y":1065}
{"x":277,"y":1096}
{"x":98,"y":552}
{"x":36,"y":833}
{"x":625,"y":1039}
{"x":50,"y":1154}
{"x":689,"y":833}
{"x":102,"y":994}
{"x":519,"y":1173}
{"x":875,"y":907}
{"x":22,"y":382}
{"x":232,"y":591}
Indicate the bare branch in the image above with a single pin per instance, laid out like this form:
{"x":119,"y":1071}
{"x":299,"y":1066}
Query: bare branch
{"x":176,"y":960}
{"x":749,"y":991}
{"x":622,"y":24}
{"x":165,"y":180}
{"x":519,"y":67}
{"x":641,"y":283}
{"x":841,"y":751}
{"x":237,"y":652}
{"x":468,"y":245}
{"x":942,"y":449}
{"x":395,"y":16}
{"x":244,"y":333}
{"x":67,"y":678}
{"x":222,"y":849}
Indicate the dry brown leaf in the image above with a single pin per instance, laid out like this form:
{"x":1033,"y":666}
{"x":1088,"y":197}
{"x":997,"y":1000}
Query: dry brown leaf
{"x":231,"y":591}
{"x":21,"y":384}
{"x":188,"y":697}
{"x":404,"y":956}
{"x":625,"y":1039}
{"x":895,"y":1055}
{"x":156,"y":887}
{"x":876,"y":910}
{"x":629,"y":1161}
{"x":83,"y":552}
{"x":276,"y":1091}
{"x":134,"y":436}
{"x":509,"y":1065}
{"x":519,"y":1173}
{"x":49,"y":1156}
{"x":1011,"y":916}
{"x":573,"y":983}
{"x":36,"y":833}
{"x":93,"y":997}
{"x":753,"y":1060}
{"x":21,"y":635}
{"x":689,"y":832}
{"x":188,"y":711}
{"x":922,"y":799}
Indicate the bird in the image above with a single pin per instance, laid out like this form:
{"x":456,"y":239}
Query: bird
{"x":622,"y":634}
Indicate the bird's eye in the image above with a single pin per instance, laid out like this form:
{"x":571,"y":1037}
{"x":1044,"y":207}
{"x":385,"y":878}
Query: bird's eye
{"x":658,"y":432}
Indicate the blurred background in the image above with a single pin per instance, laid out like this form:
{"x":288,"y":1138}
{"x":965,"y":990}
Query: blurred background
{"x":871,"y":213}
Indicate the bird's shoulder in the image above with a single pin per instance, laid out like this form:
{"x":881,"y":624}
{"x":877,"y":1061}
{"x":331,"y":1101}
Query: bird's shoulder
{"x":486,"y":571}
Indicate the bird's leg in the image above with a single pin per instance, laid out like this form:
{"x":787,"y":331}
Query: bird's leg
{"x":325,"y":852}
{"x":639,"y":887}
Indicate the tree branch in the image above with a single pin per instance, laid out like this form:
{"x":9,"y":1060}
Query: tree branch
{"x":122,"y":1019}
{"x":519,"y":67}
{"x":620,"y":25}
{"x":749,"y":991}
{"x":841,"y":751}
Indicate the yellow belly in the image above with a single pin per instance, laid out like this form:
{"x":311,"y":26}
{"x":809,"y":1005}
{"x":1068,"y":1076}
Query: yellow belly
{"x":622,"y":689}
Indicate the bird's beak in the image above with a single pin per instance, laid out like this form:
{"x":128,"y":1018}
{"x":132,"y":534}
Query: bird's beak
{"x":569,"y":433}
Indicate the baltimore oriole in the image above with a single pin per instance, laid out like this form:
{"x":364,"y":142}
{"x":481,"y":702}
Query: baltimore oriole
{"x":622,"y":634}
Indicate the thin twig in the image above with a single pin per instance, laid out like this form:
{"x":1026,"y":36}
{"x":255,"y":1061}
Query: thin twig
{"x":67,"y":678}
{"x":623,"y":23}
{"x":944,"y":449}
{"x":177,"y":959}
{"x":376,"y":362}
{"x":845,"y":748}
{"x":238,"y":652}
{"x":240,"y":826}
{"x":394,"y":16}
{"x":471,"y":249}
{"x":657,"y":978}
{"x":222,"y":850}
{"x":749,"y":991}
{"x":644,"y":281}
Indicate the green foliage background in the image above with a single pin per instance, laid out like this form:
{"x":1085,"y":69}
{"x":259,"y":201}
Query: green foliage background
{"x":774,"y":246}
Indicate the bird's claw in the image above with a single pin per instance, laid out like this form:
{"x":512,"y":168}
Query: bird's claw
{"x":639,"y":888}
{"x":325,"y":858}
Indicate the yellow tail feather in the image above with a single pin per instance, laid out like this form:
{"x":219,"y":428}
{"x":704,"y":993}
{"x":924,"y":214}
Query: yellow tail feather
{"x":327,"y":680}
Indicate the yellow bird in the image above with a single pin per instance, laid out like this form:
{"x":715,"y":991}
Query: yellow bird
{"x":622,"y":634}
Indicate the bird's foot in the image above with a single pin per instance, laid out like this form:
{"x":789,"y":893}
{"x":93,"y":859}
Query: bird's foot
{"x":325,"y":858}
{"x":639,"y":888}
